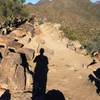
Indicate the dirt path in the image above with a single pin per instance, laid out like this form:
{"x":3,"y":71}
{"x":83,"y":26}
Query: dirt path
{"x":67,"y":69}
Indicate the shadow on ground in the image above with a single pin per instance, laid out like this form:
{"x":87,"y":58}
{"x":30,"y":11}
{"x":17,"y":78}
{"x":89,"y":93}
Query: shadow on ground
{"x":95,"y":77}
{"x":6,"y":95}
{"x":39,"y":77}
{"x":54,"y":95}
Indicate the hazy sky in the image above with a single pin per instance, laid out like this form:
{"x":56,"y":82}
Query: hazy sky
{"x":32,"y":1}
{"x":95,"y":0}
{"x":35,"y":1}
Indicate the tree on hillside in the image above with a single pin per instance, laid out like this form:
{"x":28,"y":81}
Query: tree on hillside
{"x":21,"y":1}
{"x":12,"y":8}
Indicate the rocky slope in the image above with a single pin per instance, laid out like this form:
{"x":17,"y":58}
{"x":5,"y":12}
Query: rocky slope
{"x":79,"y":19}
{"x":67,"y":68}
{"x":68,"y":71}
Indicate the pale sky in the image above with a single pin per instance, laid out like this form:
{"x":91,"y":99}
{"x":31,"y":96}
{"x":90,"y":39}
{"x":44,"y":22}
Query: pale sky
{"x":32,"y":1}
{"x":35,"y":1}
{"x":94,"y":0}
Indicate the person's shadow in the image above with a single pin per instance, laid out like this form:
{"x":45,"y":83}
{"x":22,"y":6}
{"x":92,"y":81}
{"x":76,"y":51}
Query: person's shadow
{"x":39,"y":76}
{"x":54,"y":95}
{"x":40,"y":80}
{"x":6,"y":95}
{"x":95,"y":77}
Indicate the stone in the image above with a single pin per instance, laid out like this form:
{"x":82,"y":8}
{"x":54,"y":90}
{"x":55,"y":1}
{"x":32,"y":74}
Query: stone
{"x":9,"y":42}
{"x":17,"y":80}
{"x":13,"y":72}
{"x":18,"y":33}
{"x":29,"y":53}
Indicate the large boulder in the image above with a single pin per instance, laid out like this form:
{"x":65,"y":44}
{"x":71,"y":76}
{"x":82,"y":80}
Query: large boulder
{"x":9,"y":42}
{"x":12,"y":69}
{"x":4,"y":40}
{"x":29,"y":53}
{"x":29,"y":27}
{"x":17,"y":79}
{"x":2,"y":51}
{"x":18,"y":33}
{"x":13,"y":72}
{"x":8,"y":62}
{"x":15,"y":45}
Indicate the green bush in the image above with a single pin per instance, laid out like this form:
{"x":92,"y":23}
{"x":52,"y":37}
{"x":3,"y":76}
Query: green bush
{"x":91,"y":41}
{"x":12,"y":8}
{"x":69,"y":33}
{"x":93,"y":44}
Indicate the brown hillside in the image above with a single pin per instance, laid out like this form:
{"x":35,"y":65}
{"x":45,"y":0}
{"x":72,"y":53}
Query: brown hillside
{"x":76,"y":16}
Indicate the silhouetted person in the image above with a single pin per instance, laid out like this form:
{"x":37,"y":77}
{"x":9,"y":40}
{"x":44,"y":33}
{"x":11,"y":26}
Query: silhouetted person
{"x":40,"y":74}
{"x":6,"y":95}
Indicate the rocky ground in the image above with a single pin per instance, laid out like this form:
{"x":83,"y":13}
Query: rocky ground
{"x":68,"y":70}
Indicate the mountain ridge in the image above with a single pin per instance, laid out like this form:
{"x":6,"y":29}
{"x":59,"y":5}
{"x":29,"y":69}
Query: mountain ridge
{"x":79,"y":19}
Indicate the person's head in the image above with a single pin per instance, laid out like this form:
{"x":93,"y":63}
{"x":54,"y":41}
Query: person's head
{"x":41,"y":51}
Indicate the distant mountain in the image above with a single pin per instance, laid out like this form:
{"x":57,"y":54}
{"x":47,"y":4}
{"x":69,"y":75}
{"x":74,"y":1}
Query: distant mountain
{"x":74,"y":12}
{"x":83,"y":9}
{"x":31,"y":4}
{"x":80,"y":16}
{"x":97,"y":2}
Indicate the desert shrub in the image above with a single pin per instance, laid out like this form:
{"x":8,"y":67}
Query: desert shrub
{"x":12,"y":8}
{"x":93,"y":44}
{"x":69,"y":33}
{"x":91,"y":41}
